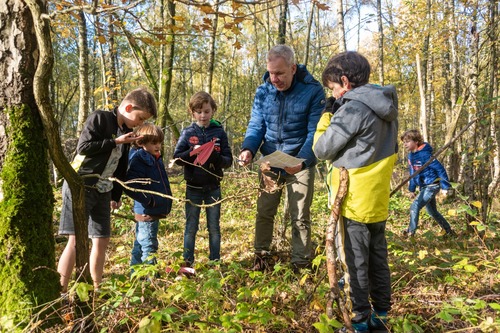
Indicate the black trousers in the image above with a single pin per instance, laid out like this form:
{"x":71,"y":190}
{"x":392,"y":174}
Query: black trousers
{"x":362,"y":249}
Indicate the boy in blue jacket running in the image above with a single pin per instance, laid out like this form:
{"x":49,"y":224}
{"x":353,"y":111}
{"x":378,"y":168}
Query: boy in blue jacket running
{"x":430,"y":180}
{"x":145,"y":162}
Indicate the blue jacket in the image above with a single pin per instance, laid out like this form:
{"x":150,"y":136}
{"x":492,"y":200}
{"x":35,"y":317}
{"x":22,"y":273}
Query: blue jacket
{"x":210,"y":174}
{"x":144,"y":165}
{"x":286,"y":121}
{"x":432,"y":173}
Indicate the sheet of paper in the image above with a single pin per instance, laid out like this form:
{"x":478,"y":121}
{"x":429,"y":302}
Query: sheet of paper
{"x":279,"y":159}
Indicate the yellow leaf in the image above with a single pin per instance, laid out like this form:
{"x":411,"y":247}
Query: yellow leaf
{"x":437,"y":252}
{"x":422,"y":254}
{"x":179,"y":18}
{"x":207,"y":9}
{"x":452,"y":212}
{"x":476,"y":204}
{"x":304,"y":279}
{"x":101,"y":39}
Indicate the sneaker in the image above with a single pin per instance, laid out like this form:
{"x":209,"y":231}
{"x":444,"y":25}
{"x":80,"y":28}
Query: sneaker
{"x":378,"y":322}
{"x":357,"y":328}
{"x":408,"y":234}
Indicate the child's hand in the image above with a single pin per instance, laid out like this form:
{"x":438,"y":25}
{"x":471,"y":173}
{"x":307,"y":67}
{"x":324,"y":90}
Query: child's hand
{"x":412,"y":195}
{"x":115,"y":205}
{"x":127,"y":138}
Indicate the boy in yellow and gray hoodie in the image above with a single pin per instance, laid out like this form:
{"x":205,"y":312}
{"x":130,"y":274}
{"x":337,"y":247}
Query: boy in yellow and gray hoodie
{"x":359,"y":132}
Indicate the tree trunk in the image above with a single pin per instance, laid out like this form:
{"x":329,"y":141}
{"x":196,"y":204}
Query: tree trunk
{"x":282,"y":22}
{"x":308,"y":36}
{"x":167,"y":67}
{"x":493,"y":98}
{"x":423,"y":113}
{"x":41,"y":92}
{"x":27,"y":259}
{"x":213,"y":40}
{"x":380,"y":44}
{"x":340,"y":27}
{"x":83,"y":73}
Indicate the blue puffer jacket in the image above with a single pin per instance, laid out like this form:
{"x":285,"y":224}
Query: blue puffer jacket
{"x":210,"y":174}
{"x":432,"y":173}
{"x":286,"y":121}
{"x":144,"y":165}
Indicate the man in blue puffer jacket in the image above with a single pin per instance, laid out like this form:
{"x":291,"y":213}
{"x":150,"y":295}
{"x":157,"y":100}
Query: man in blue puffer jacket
{"x":285,"y":112}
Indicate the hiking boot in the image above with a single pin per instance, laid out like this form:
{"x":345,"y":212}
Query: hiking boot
{"x":378,"y":322}
{"x":298,"y":266}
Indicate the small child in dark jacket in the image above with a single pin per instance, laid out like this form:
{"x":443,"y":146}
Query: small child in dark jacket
{"x":145,"y":162}
{"x":203,"y":181}
{"x":430,"y":180}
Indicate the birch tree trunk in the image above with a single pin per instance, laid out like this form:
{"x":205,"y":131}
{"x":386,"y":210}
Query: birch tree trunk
{"x":340,"y":26}
{"x":28,"y":275}
{"x":493,"y":97}
{"x":380,"y":43}
{"x":83,"y":73}
{"x":421,"y":90}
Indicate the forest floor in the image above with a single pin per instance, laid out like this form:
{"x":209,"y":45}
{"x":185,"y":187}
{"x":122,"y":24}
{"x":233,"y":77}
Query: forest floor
{"x":439,"y":285}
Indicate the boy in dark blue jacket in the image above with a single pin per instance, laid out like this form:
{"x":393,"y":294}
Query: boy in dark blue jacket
{"x":203,"y":180}
{"x":430,"y":180}
{"x":145,"y":162}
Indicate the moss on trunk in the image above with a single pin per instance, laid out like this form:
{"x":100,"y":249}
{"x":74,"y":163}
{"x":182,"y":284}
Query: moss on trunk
{"x":27,"y":252}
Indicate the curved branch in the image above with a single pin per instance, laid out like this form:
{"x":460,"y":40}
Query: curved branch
{"x":42,"y":97}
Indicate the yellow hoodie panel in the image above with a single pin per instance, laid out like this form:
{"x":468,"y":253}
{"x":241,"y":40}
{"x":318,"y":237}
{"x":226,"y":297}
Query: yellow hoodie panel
{"x":367,"y":199}
{"x":324,"y":122}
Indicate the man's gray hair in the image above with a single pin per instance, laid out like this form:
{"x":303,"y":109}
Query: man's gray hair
{"x":282,"y":51}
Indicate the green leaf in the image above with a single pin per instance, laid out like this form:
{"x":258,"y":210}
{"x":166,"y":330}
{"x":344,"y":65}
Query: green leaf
{"x":494,"y":306}
{"x":82,"y":290}
{"x":445,"y":315}
{"x":149,"y":325}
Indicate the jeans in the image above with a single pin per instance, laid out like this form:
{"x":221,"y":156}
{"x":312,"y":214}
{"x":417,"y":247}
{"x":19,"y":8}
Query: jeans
{"x":300,"y":188}
{"x":198,"y":197}
{"x":427,"y":198}
{"x":146,"y":243}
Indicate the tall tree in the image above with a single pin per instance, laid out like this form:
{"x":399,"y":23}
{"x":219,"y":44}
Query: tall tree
{"x":83,"y":72}
{"x":282,"y":21}
{"x":340,"y":26}
{"x":27,"y":257}
{"x":166,"y":68}
{"x":380,"y":43}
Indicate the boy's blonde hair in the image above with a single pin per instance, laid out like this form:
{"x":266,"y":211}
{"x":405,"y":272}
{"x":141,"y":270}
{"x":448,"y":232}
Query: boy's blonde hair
{"x":151,"y":134}
{"x":197,"y":100}
{"x":413,"y":135}
{"x":143,"y":100}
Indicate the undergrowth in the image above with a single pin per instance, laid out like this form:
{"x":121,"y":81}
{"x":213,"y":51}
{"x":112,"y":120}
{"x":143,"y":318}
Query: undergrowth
{"x":438,"y":285}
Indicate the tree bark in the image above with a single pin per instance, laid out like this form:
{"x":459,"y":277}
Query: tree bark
{"x":282,"y":22}
{"x":380,"y":43}
{"x":41,"y":92}
{"x":83,"y":73}
{"x":340,"y":27}
{"x":27,"y":257}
